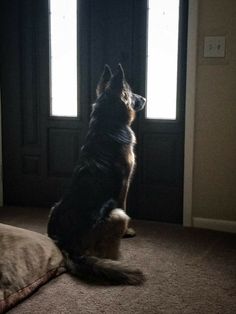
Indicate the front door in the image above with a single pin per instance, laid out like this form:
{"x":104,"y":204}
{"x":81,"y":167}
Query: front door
{"x":41,"y":143}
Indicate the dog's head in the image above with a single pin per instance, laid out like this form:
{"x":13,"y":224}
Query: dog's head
{"x":114,"y":88}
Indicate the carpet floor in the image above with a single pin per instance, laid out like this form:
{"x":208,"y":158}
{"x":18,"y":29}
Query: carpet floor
{"x":188,"y":271}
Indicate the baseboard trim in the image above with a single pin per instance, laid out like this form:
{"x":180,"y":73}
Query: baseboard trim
{"x":215,"y":224}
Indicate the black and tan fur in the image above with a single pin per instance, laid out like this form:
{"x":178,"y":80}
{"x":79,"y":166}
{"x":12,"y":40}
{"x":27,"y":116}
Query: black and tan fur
{"x":89,"y":221}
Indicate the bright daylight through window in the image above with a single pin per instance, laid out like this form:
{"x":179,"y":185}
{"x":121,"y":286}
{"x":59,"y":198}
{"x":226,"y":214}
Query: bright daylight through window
{"x":63,"y":57}
{"x":162,"y":58}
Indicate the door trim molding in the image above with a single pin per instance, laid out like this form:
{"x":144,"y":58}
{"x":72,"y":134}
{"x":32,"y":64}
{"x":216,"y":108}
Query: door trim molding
{"x":190,"y":111}
{"x":1,"y":181}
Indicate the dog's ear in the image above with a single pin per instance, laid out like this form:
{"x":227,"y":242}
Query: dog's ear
{"x":104,"y":79}
{"x":116,"y":84}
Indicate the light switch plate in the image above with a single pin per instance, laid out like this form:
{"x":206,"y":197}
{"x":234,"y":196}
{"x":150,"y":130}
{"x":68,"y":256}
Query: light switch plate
{"x":214,"y":47}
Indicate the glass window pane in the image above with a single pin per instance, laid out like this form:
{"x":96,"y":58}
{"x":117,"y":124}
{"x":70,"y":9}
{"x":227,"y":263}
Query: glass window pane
{"x":63,"y":58}
{"x":162,"y":59}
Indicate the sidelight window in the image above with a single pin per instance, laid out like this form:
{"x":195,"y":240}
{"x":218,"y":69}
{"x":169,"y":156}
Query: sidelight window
{"x":162,"y":59}
{"x":63,"y":58}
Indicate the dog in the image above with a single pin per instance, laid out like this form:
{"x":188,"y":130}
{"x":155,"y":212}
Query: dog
{"x":87,"y":224}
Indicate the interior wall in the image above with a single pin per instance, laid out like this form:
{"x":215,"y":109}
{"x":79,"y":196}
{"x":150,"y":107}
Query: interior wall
{"x":214,"y":176}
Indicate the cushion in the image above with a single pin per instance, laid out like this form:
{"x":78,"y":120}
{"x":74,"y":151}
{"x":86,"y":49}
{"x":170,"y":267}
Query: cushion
{"x":27,"y":260}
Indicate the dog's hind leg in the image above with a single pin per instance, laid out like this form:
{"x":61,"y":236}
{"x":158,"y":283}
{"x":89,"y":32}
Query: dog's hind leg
{"x":109,"y":233}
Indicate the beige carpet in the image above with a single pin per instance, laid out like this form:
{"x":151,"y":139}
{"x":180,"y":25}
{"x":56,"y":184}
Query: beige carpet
{"x":188,"y":271}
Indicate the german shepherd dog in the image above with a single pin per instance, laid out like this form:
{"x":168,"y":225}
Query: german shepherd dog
{"x":89,"y":221}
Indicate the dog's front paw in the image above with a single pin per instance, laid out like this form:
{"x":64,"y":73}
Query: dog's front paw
{"x":129,"y":233}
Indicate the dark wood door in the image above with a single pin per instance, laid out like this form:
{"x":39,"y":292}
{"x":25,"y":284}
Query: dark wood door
{"x":40,"y":151}
{"x":158,"y":186}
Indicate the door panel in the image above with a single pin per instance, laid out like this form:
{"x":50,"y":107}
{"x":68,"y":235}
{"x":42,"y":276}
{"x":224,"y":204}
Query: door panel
{"x":160,"y":166}
{"x":161,"y":173}
{"x":63,"y":145}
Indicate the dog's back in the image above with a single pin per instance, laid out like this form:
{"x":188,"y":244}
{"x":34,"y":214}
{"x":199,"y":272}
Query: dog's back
{"x":83,"y":222}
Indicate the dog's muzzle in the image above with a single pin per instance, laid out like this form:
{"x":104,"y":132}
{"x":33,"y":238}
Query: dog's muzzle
{"x":138,"y":102}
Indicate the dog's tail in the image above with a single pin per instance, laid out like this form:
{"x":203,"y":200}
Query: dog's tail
{"x":104,"y":270}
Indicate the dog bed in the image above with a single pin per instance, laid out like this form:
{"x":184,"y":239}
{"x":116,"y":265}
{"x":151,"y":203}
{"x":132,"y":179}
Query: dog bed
{"x":27,"y":261}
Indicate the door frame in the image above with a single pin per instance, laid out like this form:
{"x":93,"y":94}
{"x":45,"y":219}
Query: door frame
{"x":189,"y":115}
{"x":191,"y":68}
{"x":1,"y":162}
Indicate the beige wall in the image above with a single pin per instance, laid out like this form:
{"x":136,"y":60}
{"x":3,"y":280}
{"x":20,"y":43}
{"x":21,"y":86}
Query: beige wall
{"x":214,"y":169}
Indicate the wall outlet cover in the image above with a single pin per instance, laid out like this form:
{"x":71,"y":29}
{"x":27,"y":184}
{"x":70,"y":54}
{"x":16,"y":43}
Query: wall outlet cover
{"x":214,"y":46}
